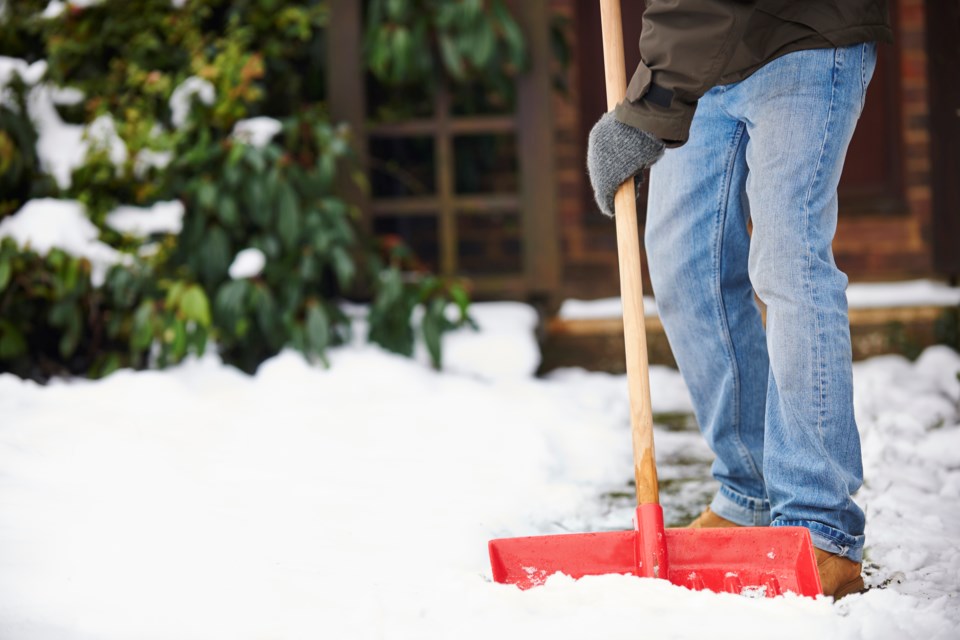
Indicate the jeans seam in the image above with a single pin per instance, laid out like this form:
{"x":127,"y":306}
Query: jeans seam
{"x":808,"y":285}
{"x":863,"y":76}
{"x":722,"y":206}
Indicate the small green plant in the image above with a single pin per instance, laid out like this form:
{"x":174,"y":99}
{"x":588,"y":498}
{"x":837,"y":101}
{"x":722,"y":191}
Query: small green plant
{"x":400,"y":291}
{"x":54,"y":321}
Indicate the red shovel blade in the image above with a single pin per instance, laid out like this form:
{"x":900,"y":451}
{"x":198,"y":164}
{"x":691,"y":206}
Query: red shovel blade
{"x":759,"y":561}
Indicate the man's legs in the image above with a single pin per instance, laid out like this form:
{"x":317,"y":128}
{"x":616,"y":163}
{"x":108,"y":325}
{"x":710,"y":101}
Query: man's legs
{"x":801,"y":111}
{"x":792,"y":122}
{"x":698,"y":246}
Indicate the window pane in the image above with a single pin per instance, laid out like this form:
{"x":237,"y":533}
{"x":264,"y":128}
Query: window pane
{"x":480,"y":99}
{"x":401,"y":167}
{"x":419,"y":232}
{"x":393,"y":104}
{"x":486,"y":163}
{"x":489,"y":244}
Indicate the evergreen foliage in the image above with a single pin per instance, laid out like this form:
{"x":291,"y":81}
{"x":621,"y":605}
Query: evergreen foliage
{"x":261,"y":58}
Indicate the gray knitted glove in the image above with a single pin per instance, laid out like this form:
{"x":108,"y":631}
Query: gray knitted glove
{"x":615,"y":153}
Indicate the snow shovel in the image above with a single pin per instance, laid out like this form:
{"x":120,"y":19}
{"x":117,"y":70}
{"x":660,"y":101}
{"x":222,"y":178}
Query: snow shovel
{"x":758,"y":561}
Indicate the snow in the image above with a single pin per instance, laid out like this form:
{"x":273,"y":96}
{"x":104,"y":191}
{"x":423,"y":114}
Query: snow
{"x":56,"y":7}
{"x":62,"y":147}
{"x":181,"y":100}
{"x":865,"y":295}
{"x":257,"y":132}
{"x":66,"y":96}
{"x":357,"y":501}
{"x":860,"y":295}
{"x":574,"y":309}
{"x":161,"y":217}
{"x":102,"y":134}
{"x":150,"y":159}
{"x":44,"y":224}
{"x":30,"y":73}
{"x":248,"y":263}
{"x":497,"y":351}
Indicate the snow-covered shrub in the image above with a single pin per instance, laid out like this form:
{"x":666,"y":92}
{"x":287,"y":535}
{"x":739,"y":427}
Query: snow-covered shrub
{"x":216,"y":105}
{"x":53,"y":320}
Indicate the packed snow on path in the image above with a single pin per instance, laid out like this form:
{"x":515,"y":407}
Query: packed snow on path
{"x":357,"y":501}
{"x":860,"y":295}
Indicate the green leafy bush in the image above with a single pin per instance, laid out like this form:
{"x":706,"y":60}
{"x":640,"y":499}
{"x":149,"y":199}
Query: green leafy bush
{"x":261,"y":58}
{"x":54,"y":321}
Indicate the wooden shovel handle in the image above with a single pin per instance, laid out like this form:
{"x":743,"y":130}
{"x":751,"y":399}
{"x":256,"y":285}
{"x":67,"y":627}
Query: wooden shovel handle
{"x":631,"y":281}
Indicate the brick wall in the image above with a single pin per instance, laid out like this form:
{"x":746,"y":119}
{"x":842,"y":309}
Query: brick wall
{"x":869,"y":246}
{"x":587,"y":240}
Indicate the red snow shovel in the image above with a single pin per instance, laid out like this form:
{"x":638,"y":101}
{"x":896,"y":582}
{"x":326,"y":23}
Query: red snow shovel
{"x":760,"y":561}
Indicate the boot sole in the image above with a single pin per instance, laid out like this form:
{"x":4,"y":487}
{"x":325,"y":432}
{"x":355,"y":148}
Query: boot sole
{"x":854,"y":586}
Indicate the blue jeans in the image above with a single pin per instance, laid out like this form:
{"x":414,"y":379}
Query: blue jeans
{"x":774,"y":404}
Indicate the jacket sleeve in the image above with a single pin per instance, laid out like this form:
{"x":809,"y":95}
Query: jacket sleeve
{"x":684,"y":47}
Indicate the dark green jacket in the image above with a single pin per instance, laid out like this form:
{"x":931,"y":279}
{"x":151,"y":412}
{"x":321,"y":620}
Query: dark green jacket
{"x":687,"y":47}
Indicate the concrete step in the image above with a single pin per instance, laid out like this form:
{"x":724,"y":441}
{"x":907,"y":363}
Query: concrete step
{"x":597,"y":343}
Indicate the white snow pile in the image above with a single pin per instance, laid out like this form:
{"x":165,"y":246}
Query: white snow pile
{"x":257,"y":132}
{"x":573,"y":309}
{"x":357,"y":502}
{"x":45,"y":223}
{"x":866,"y":295}
{"x":860,"y":295}
{"x":181,"y":100}
{"x":161,"y":217}
{"x":248,"y":263}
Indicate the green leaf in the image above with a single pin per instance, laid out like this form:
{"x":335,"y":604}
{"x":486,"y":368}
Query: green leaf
{"x":230,"y":302}
{"x":179,"y":344}
{"x":396,"y":9}
{"x":6,"y":271}
{"x":452,"y":61}
{"x":174,"y":294}
{"x":256,"y":201}
{"x":343,"y":266}
{"x":288,"y":222}
{"x":216,"y":256}
{"x":195,"y":306}
{"x":199,"y":341}
{"x":485,"y":45}
{"x":110,"y":364}
{"x":142,"y":334}
{"x":12,"y":342}
{"x":227,"y":212}
{"x":207,"y":196}
{"x":71,"y":336}
{"x":268,"y":317}
{"x":433,"y":326}
{"x":317,"y":329}
{"x":327,"y":169}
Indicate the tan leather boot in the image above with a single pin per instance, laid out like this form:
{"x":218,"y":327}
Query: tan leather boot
{"x":838,"y":576}
{"x":709,"y":520}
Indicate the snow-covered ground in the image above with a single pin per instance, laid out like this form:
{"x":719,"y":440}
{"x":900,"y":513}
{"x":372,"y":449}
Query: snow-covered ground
{"x":357,"y":501}
{"x":860,"y":295}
